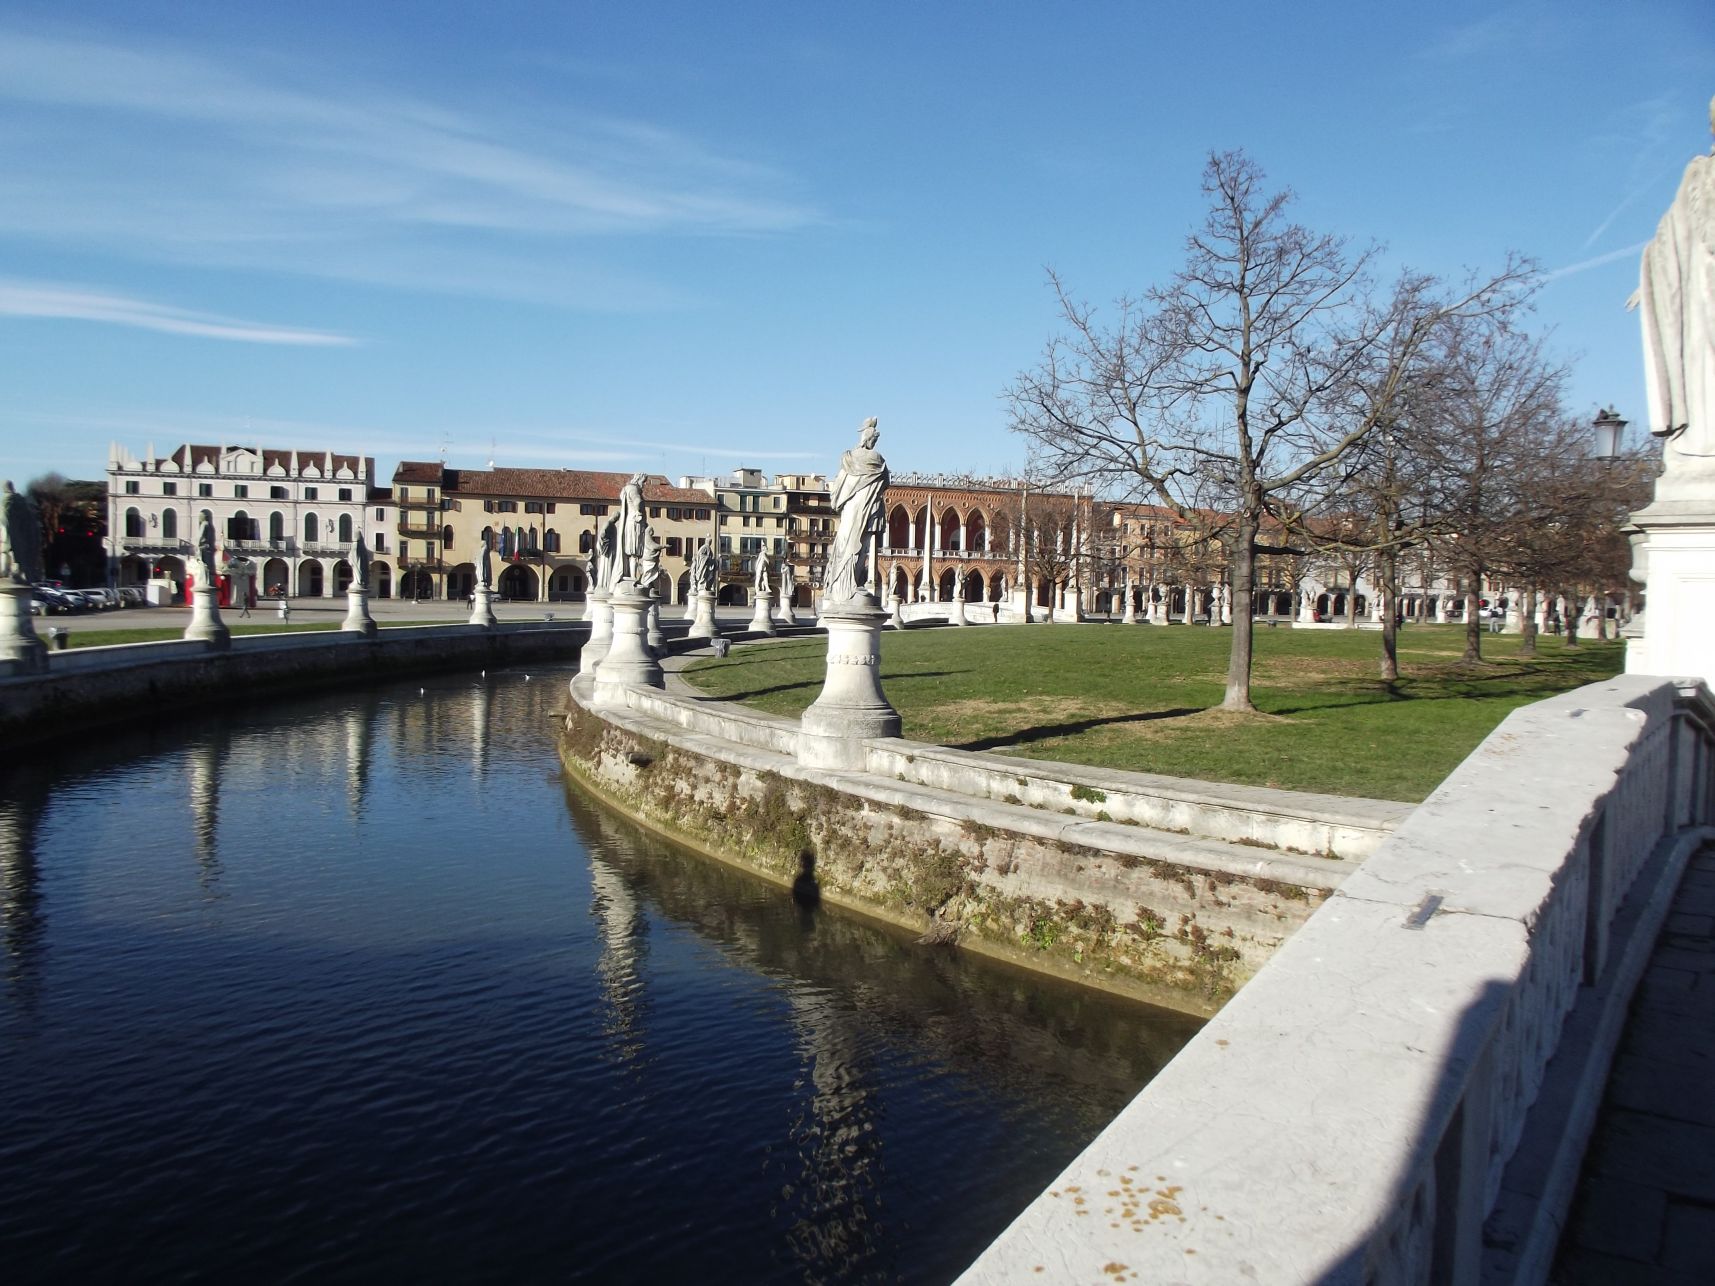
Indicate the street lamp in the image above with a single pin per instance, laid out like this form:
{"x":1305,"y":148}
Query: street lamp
{"x":1609,"y":426}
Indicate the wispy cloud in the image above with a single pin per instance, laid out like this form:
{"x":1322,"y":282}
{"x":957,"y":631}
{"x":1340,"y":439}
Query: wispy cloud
{"x":77,"y":303}
{"x":224,"y":158}
{"x":1583,"y":265}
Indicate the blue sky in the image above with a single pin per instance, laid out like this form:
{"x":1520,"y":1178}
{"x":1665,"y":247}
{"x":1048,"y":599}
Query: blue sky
{"x":685,"y":237}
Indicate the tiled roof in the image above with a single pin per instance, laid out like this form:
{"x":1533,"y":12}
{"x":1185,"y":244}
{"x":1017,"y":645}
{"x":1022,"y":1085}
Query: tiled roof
{"x":563,"y":484}
{"x":420,"y":472}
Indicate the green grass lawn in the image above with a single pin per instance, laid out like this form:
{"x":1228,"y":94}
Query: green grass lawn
{"x":1140,"y":697}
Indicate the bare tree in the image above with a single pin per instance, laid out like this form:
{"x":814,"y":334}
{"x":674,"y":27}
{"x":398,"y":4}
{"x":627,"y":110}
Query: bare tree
{"x":1229,"y":388}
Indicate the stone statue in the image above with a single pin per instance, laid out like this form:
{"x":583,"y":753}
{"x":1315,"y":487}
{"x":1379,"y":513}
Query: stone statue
{"x":205,"y":548}
{"x":857,"y":495}
{"x":360,"y":560}
{"x":788,"y":584}
{"x":1676,"y":299}
{"x":958,"y":584}
{"x":762,"y":584}
{"x":632,"y":523}
{"x":604,"y":568}
{"x":20,"y":538}
{"x":704,"y":571}
{"x":485,"y":562}
{"x":649,"y":568}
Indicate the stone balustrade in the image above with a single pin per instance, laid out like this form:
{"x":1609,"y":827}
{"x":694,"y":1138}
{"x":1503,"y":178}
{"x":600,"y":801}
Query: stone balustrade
{"x":1403,"y":1092}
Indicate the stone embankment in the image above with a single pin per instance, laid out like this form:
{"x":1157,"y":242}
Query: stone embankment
{"x":91,"y":686}
{"x":1169,"y":890}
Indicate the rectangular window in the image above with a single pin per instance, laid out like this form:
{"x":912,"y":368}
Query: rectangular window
{"x":654,"y":511}
{"x":169,"y":488}
{"x":278,"y":493}
{"x":593,"y":511}
{"x":675,"y":546}
{"x":429,"y":494}
{"x":310,"y":493}
{"x":380,"y":514}
{"x":535,"y":507}
{"x":205,"y":488}
{"x":505,"y":506}
{"x":381,"y":542}
{"x":672,"y":514}
{"x":702,"y":515}
{"x":241,"y":491}
{"x":550,"y":506}
{"x":133,"y":488}
{"x":345,"y":493}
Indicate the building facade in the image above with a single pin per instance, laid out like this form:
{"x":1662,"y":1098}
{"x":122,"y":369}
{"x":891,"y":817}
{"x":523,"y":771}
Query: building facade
{"x":290,"y":516}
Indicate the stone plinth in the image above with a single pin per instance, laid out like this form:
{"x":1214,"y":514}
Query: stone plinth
{"x":957,"y":615}
{"x":783,"y":611}
{"x":896,"y":608}
{"x":852,"y":706}
{"x":627,"y":661}
{"x":357,"y":617}
{"x":482,"y":607}
{"x":761,"y":620}
{"x":652,"y":627}
{"x":206,"y":625}
{"x":1129,"y":616}
{"x":601,"y":632}
{"x":1673,"y":553}
{"x":21,"y":651}
{"x":703,"y":621}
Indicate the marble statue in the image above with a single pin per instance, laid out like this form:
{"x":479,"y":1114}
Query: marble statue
{"x":631,"y":522}
{"x":649,"y":566}
{"x":205,"y":549}
{"x":20,"y":538}
{"x":788,"y":585}
{"x":604,"y":567}
{"x":1676,"y":300}
{"x":704,"y":570}
{"x":958,"y":584}
{"x":360,"y":560}
{"x":857,"y":495}
{"x":764,"y":587}
{"x":485,"y":562}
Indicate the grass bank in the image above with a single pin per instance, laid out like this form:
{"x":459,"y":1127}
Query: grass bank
{"x":1140,"y":698}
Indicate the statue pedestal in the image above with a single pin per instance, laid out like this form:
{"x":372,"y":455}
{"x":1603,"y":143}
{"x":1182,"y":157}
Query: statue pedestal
{"x":896,"y":610}
{"x":761,"y":620}
{"x":21,"y":651}
{"x":601,"y":632}
{"x":652,"y":626}
{"x":852,"y":707}
{"x":957,"y":615}
{"x":627,"y":662}
{"x":1129,"y":616}
{"x":783,"y":612}
{"x":482,"y":607}
{"x":206,"y":625}
{"x":1673,"y":554}
{"x":357,"y":617}
{"x":703,"y":620}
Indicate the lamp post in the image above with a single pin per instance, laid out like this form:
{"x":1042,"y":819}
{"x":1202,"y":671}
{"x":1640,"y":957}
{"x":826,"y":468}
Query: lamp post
{"x":1608,"y":427}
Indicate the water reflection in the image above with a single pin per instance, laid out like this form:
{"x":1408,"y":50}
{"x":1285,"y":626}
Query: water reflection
{"x":349,"y":988}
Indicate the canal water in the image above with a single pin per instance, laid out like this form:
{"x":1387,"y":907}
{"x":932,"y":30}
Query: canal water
{"x":357,"y":988}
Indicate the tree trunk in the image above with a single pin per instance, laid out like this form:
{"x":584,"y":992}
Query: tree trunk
{"x":1388,"y":567}
{"x":1242,"y":560}
{"x":1527,"y":639}
{"x":1473,"y":624}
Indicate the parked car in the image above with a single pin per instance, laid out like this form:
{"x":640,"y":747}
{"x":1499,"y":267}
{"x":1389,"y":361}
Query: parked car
{"x":55,"y":600}
{"x":132,"y":596}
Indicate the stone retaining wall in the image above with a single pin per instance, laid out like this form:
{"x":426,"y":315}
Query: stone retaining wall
{"x":87,"y":687}
{"x":926,"y":838}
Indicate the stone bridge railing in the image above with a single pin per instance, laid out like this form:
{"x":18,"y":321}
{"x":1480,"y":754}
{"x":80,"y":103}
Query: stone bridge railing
{"x":1404,"y":1092}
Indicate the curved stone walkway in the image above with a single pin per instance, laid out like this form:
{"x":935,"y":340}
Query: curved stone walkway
{"x":1645,"y":1210}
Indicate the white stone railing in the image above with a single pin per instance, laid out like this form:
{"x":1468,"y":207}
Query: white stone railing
{"x":1404,"y":1091}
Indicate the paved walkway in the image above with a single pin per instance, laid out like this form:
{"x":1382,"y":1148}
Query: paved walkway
{"x":1645,"y":1210}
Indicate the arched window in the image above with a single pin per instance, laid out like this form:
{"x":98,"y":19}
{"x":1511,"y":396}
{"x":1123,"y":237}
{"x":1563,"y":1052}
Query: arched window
{"x":312,"y":532}
{"x":345,"y":529}
{"x":447,"y":537}
{"x":586,"y":541}
{"x":276,"y":526}
{"x":551,"y":541}
{"x":238,"y":526}
{"x":488,"y":537}
{"x":169,"y":524}
{"x":134,"y":523}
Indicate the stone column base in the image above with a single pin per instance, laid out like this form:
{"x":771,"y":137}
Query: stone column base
{"x":703,"y":622}
{"x":628,"y":662}
{"x":21,"y":650}
{"x":601,"y":632}
{"x":761,"y":620}
{"x":957,"y":615}
{"x":206,"y":625}
{"x":482,"y":607}
{"x":1674,"y":553}
{"x":652,"y":627}
{"x":357,"y":617}
{"x":852,"y":707}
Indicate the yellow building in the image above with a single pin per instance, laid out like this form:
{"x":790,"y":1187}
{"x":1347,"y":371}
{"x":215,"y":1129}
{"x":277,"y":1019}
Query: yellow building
{"x":542,"y":524}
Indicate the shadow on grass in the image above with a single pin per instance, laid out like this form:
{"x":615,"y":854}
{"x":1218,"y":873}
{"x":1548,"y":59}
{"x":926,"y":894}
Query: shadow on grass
{"x":1048,"y":731}
{"x":814,"y":684}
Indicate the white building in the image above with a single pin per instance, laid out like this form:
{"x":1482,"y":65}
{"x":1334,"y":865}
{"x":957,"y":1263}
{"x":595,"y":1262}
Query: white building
{"x":292,"y":514}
